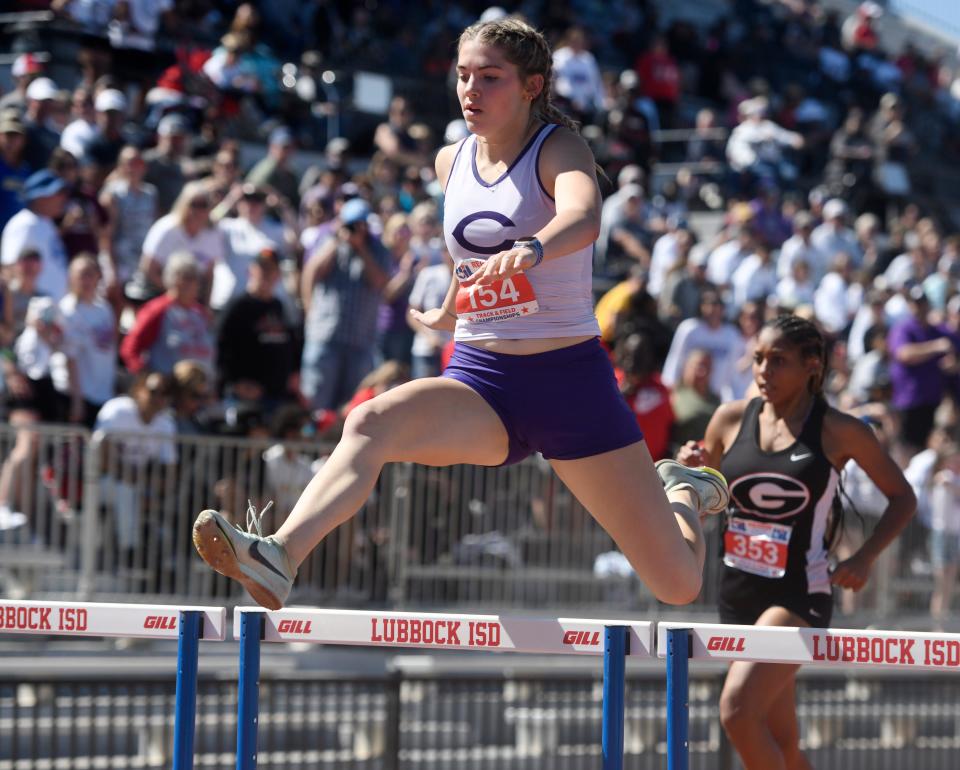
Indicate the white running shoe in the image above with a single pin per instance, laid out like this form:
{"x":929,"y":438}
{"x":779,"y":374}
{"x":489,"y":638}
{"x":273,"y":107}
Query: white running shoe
{"x":260,"y":564}
{"x":708,"y":484}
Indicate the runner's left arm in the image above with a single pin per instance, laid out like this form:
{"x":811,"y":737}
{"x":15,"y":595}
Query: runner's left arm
{"x":857,"y":442}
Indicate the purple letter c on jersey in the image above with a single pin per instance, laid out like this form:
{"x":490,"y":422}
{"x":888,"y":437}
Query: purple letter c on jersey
{"x":461,"y":238}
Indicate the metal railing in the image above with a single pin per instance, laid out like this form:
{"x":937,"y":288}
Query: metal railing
{"x":109,"y":518}
{"x":402,"y":721}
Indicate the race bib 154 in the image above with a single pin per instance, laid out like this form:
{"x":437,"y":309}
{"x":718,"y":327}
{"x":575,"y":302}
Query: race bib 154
{"x":512,"y":297}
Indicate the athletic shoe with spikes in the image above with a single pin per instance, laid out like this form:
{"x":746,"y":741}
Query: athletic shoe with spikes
{"x":708,"y":485}
{"x":260,"y":564}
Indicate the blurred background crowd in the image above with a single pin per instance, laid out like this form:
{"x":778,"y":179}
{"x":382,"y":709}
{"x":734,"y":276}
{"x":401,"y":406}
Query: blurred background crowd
{"x":215,"y":215}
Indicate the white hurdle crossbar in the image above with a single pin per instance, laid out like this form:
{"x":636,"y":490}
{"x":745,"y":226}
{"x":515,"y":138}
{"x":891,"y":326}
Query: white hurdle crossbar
{"x":679,"y":642}
{"x":141,"y":621}
{"x":614,"y":639}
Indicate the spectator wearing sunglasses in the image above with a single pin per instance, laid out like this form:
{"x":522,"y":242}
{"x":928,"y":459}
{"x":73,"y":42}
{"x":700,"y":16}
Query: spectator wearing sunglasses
{"x":186,"y":228}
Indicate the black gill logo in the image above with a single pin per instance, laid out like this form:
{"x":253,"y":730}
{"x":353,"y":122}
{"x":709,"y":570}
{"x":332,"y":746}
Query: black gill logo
{"x":769,"y":495}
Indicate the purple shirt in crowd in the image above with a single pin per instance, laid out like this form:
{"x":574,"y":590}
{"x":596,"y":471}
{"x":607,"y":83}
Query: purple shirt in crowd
{"x":918,"y":384}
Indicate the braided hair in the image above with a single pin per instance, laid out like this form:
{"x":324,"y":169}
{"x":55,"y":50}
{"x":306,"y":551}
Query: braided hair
{"x":528,"y":50}
{"x":810,"y":342}
{"x":808,"y":339}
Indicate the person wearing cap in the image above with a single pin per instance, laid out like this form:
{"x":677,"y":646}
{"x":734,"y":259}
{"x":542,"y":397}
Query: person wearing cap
{"x":110,"y":113}
{"x":275,"y":169}
{"x":630,"y":177}
{"x":26,"y":68}
{"x":81,"y":226}
{"x":32,"y":398}
{"x":859,"y":33}
{"x":920,"y":351}
{"x":166,"y":163}
{"x":756,"y":146}
{"x":44,"y":195}
{"x":256,"y":357}
{"x":246,"y":235}
{"x":686,"y":282}
{"x":42,"y":133}
{"x":13,"y":168}
{"x":341,"y":291}
{"x":630,"y":236}
{"x":799,"y":246}
{"x":726,"y":258}
{"x":833,"y":236}
{"x":82,"y":129}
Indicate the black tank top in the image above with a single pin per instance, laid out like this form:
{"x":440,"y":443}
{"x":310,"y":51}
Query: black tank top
{"x":780,"y":506}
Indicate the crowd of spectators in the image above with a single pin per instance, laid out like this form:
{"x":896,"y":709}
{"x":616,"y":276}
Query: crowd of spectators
{"x":137,"y":235}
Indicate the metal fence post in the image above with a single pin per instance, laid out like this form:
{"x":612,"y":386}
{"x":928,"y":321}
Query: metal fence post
{"x":248,"y":689}
{"x":614,"y":682}
{"x":391,"y":754}
{"x":86,"y":585}
{"x":397,"y":556}
{"x":678,"y":694}
{"x":185,"y":719}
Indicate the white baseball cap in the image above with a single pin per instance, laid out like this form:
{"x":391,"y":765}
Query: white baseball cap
{"x":42,"y":89}
{"x":110,"y":99}
{"x":834,"y":208}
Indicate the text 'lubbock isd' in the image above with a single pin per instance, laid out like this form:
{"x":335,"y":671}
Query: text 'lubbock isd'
{"x":443,"y":633}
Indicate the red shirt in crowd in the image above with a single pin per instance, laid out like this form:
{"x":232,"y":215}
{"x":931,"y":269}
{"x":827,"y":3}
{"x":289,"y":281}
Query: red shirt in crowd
{"x":659,"y":76}
{"x":649,"y":399}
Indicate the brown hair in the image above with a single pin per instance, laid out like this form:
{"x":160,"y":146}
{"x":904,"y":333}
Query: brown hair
{"x":528,"y":50}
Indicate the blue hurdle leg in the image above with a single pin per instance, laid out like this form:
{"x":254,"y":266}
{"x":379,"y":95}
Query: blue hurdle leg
{"x":614,"y":676}
{"x":678,"y":694}
{"x":184,"y":721}
{"x":248,"y":695}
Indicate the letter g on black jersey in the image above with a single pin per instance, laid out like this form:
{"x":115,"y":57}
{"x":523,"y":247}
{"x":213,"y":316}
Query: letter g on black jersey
{"x":769,"y":495}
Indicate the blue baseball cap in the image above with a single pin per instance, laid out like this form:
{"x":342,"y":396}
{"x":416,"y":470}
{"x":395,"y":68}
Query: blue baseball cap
{"x":281,"y":135}
{"x":41,"y":184}
{"x":354,"y":210}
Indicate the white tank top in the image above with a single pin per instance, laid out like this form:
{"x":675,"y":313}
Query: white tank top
{"x":481,"y":219}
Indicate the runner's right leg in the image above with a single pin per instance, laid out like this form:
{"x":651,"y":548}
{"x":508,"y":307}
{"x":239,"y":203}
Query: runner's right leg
{"x":433,"y":421}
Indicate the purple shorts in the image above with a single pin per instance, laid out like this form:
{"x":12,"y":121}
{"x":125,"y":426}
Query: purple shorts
{"x":564,"y":403}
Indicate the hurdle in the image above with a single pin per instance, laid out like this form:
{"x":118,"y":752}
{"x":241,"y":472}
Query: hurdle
{"x":681,"y":642}
{"x":132,"y":621}
{"x":614,"y":639}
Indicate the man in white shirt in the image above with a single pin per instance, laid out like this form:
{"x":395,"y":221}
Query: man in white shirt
{"x":756,"y":145}
{"x":45,"y":197}
{"x":755,"y":279}
{"x":246,"y":235}
{"x":726,"y":258}
{"x":577,"y":76}
{"x":837,"y":298}
{"x":833,"y":236}
{"x":799,"y":247}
